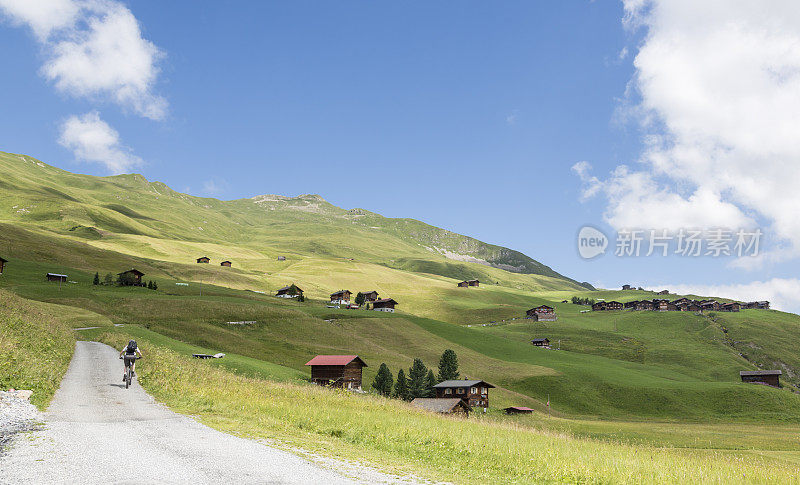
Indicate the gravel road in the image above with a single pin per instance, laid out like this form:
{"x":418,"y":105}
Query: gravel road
{"x":96,"y":431}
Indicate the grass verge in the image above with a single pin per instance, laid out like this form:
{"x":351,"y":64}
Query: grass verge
{"x":396,"y":437}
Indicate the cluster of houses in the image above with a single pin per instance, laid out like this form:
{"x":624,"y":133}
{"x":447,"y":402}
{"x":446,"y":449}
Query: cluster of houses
{"x":132,"y":277}
{"x":455,"y":396}
{"x":207,"y":260}
{"x":468,"y":283}
{"x":679,"y":305}
{"x":342,"y":297}
{"x":542,"y":313}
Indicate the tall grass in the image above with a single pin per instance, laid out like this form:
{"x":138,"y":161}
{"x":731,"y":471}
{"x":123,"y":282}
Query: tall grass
{"x":404,"y":440}
{"x":36,"y":346}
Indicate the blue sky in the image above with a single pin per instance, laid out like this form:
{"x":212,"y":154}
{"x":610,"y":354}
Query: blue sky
{"x":470,"y":117}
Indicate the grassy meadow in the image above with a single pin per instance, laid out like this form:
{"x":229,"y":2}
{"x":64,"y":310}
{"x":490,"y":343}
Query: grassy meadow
{"x":636,"y":397}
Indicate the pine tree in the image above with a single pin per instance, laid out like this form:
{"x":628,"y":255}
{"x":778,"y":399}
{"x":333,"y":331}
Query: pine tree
{"x":383,"y":381}
{"x":301,"y":298}
{"x":96,"y":280}
{"x":448,"y":366}
{"x":430,"y":381}
{"x":155,"y":285}
{"x":416,"y":379}
{"x":150,"y":285}
{"x":360,"y":299}
{"x":401,"y":386}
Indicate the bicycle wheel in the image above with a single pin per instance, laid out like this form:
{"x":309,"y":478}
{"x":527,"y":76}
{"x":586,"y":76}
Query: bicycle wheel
{"x":128,"y":378}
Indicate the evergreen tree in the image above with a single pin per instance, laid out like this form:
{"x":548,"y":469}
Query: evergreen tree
{"x":401,"y":386}
{"x":383,"y":381}
{"x":430,"y":381}
{"x":96,"y":280}
{"x":416,"y":379}
{"x":301,"y":298}
{"x":155,"y":285}
{"x":360,"y":299}
{"x":448,"y":366}
{"x":108,"y":279}
{"x":150,"y":285}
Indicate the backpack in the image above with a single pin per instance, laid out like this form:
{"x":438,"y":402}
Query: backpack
{"x":131,"y":349}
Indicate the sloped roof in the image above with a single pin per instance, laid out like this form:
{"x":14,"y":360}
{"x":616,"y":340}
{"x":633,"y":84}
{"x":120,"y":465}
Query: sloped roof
{"x":760,"y":373}
{"x":287,"y":287}
{"x":3,"y":260}
{"x":542,"y":339}
{"x":436,"y":405}
{"x":132,"y":270}
{"x":56,"y":274}
{"x":341,"y":292}
{"x":461,"y":383}
{"x":335,"y":360}
{"x":385,"y":300}
{"x":519,"y":408}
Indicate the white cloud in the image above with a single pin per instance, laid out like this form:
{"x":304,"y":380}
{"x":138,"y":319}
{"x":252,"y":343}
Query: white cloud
{"x":215,"y":186}
{"x":780,"y":292}
{"x":94,"y":49}
{"x":718,"y":96}
{"x":93,"y":140}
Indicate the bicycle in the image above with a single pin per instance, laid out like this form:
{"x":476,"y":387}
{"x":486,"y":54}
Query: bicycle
{"x":129,"y":360}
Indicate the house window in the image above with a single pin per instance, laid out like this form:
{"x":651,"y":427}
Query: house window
{"x":460,"y":390}
{"x":448,"y":391}
{"x":474,"y":390}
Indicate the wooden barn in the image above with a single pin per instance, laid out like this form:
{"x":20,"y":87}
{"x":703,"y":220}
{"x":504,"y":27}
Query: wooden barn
{"x":61,"y":278}
{"x":473,"y":282}
{"x":768,"y":377}
{"x":762,"y":305}
{"x":729,"y":307}
{"x":645,"y":305}
{"x":630,"y":304}
{"x":2,"y":264}
{"x":626,"y":287}
{"x":337,"y":371}
{"x":614,"y":305}
{"x":543,"y":342}
{"x":663,"y":292}
{"x":473,"y":393}
{"x":709,"y":305}
{"x":132,"y":277}
{"x":204,"y":260}
{"x":370,"y":295}
{"x":542,"y":313}
{"x":599,"y":306}
{"x":463,"y":284}
{"x":445,"y":406}
{"x":517,"y":410}
{"x":291,"y":291}
{"x":227,"y":264}
{"x":341,"y":297}
{"x":682,"y":301}
{"x":384,"y":305}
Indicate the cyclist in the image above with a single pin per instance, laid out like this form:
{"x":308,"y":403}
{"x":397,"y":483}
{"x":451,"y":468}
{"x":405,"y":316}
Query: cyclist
{"x":129,"y":353}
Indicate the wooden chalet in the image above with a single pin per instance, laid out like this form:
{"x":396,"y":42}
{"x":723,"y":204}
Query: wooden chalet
{"x":614,"y":305}
{"x":543,"y":342}
{"x":291,"y":291}
{"x":644,"y":305}
{"x":517,"y":410}
{"x":626,"y":287}
{"x":768,"y":377}
{"x":759,"y":305}
{"x":463,"y":284}
{"x":227,"y":264}
{"x":542,"y":313}
{"x":599,"y":306}
{"x":337,"y":371}
{"x":452,"y":405}
{"x":61,"y":278}
{"x":2,"y":264}
{"x":473,"y":282}
{"x":630,"y":304}
{"x":663,"y":292}
{"x":384,"y":305}
{"x":729,"y":307}
{"x":473,"y":393}
{"x":681,"y":301}
{"x":341,"y":297}
{"x":709,"y":305}
{"x":132,"y":277}
{"x":370,"y":295}
{"x":694,"y":307}
{"x":204,"y":260}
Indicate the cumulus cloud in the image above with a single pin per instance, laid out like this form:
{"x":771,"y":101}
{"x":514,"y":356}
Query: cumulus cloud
{"x":780,"y":292}
{"x":215,"y":186}
{"x":717,"y":92}
{"x":94,"y":49}
{"x":93,"y":140}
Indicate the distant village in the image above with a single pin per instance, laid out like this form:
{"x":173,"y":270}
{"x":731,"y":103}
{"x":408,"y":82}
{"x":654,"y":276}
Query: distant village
{"x":679,"y":305}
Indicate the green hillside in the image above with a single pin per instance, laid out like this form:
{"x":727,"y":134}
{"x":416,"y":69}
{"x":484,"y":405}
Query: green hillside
{"x":662,"y":379}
